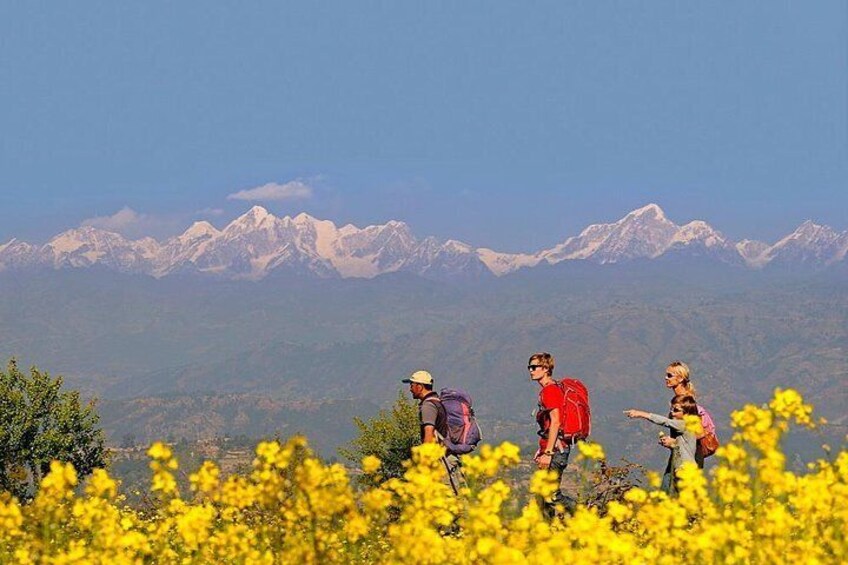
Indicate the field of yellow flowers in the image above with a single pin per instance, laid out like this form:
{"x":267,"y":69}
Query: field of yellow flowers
{"x":293,"y":509}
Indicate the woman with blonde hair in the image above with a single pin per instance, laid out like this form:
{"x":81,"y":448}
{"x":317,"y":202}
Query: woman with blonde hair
{"x":677,"y":378}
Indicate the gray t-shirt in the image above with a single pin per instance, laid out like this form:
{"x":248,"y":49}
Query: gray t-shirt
{"x":432,"y":413}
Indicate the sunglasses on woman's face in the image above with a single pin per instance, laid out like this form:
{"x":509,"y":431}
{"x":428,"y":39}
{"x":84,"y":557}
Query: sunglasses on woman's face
{"x":669,"y":376}
{"x":533,"y":367}
{"x":676,"y":409}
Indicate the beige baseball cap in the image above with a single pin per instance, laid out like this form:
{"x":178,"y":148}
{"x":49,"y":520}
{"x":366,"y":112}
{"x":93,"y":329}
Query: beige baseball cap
{"x":420,"y":377}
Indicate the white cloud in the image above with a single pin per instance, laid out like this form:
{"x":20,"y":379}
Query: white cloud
{"x":292,"y":190}
{"x":122,"y":220}
{"x":132,"y":224}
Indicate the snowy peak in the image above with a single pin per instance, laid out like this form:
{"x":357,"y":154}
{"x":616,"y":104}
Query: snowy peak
{"x":253,"y":245}
{"x":88,"y":246}
{"x":649,"y":212}
{"x":73,"y":239}
{"x":642,"y":233}
{"x":258,"y":244}
{"x":811,"y":232}
{"x":451,"y":260}
{"x":86,"y":240}
{"x":454,"y":246}
{"x":697,"y":230}
{"x":810,"y":243}
{"x":645,"y":233}
{"x":179,"y":252}
{"x":701,"y":233}
{"x":699,"y":239}
{"x":256,"y":217}
{"x":258,"y":212}
{"x":374,"y":249}
{"x":202,"y":229}
{"x":304,"y":219}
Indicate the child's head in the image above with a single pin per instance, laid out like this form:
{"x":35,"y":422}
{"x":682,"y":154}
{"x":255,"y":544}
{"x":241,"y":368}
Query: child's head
{"x":683,"y":405}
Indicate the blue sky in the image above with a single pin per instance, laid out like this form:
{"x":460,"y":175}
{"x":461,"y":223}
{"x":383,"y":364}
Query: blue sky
{"x":508,"y":125}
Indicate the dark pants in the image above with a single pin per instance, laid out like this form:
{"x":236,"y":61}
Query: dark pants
{"x":559,"y":461}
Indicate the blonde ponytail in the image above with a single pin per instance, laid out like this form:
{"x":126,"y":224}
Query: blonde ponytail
{"x":680,"y":369}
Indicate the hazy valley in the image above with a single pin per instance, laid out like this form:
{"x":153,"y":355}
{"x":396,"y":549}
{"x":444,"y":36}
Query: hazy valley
{"x":190,"y":357}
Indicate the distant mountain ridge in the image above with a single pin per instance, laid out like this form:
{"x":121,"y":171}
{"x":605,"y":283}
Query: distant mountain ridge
{"x":258,"y":244}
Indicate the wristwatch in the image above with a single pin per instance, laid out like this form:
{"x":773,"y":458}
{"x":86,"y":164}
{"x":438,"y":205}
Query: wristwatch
{"x":547,"y":453}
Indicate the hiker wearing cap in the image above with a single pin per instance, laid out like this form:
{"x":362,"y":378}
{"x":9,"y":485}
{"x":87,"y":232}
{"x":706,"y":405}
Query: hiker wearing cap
{"x":433,"y":419}
{"x":431,"y":413}
{"x":553,"y":452}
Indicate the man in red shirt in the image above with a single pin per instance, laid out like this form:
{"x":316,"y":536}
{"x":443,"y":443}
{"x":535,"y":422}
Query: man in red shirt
{"x":553,"y":449}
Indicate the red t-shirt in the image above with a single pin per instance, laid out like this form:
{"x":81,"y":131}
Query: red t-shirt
{"x":550,"y":397}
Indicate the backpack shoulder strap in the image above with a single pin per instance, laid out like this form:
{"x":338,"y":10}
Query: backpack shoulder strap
{"x":435,"y":398}
{"x":437,"y":402}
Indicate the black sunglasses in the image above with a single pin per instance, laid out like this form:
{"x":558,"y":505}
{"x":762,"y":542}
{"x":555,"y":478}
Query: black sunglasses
{"x":533,"y":367}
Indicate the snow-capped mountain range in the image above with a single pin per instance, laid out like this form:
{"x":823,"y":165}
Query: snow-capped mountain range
{"x":258,"y":243}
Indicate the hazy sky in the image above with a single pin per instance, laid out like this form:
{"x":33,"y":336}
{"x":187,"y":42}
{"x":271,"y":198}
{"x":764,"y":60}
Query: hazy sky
{"x":509,"y":125}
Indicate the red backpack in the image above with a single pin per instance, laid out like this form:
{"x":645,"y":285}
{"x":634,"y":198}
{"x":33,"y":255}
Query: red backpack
{"x":575,"y":415}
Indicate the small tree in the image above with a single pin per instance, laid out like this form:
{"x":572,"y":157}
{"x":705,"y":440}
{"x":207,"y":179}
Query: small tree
{"x":39,"y":423}
{"x":390,"y":436}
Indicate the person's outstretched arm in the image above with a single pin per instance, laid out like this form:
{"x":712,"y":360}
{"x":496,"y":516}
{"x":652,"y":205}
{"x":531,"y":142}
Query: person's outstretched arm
{"x":678,"y":425}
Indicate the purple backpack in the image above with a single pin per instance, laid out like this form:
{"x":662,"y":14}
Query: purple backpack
{"x":463,"y":430}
